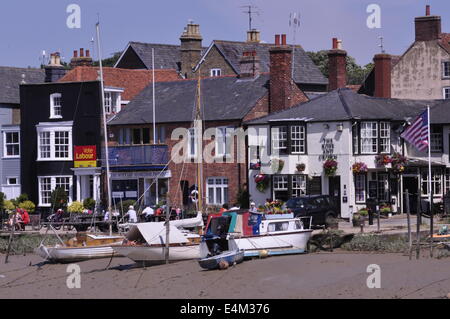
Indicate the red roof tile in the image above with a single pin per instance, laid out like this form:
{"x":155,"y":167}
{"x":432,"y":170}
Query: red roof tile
{"x":132,"y":81}
{"x":445,"y":41}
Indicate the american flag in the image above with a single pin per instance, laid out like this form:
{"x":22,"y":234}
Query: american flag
{"x":417,"y":132}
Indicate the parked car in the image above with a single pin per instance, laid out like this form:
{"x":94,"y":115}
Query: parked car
{"x":320,"y":207}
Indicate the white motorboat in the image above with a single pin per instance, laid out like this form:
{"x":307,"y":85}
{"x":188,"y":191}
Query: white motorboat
{"x":82,"y":247}
{"x":145,"y":242}
{"x":259,"y":234}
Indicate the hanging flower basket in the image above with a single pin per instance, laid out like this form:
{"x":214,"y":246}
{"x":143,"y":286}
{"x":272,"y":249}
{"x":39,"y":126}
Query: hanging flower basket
{"x":277,"y":165}
{"x":383,"y":160}
{"x":359,"y":168}
{"x":262,"y":182}
{"x":398,"y":163}
{"x":255,"y":165}
{"x":300,"y":167}
{"x":330,"y":167}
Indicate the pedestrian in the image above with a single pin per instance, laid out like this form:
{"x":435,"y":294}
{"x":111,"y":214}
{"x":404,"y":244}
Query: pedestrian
{"x":148,"y":213}
{"x":25,"y":218}
{"x":253,"y":208}
{"x":131,"y":214}
{"x":178,"y":211}
{"x":224,"y":208}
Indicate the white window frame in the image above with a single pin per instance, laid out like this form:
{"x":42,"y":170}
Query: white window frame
{"x":113,"y":100}
{"x":5,"y":144}
{"x":298,"y":185}
{"x":52,"y":129}
{"x":279,"y":137}
{"x":446,"y":69}
{"x":53,"y":106}
{"x":447,"y":180}
{"x":17,"y":180}
{"x":385,"y":137}
{"x":360,"y":186}
{"x":298,"y":139}
{"x":436,"y":182}
{"x":223,"y":140}
{"x":221,"y":186}
{"x":437,"y":145}
{"x":369,"y":137}
{"x":216,"y":72}
{"x":446,"y":93}
{"x":192,"y":138}
{"x":53,"y":187}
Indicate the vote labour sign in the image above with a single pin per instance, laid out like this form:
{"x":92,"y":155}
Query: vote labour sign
{"x":85,"y":156}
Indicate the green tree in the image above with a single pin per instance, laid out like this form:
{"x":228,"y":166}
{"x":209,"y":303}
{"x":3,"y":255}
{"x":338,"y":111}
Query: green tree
{"x":111,"y":61}
{"x":355,"y":73}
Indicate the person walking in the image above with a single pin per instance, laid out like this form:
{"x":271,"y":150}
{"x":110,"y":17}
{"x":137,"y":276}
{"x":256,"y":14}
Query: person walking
{"x":131,"y":214}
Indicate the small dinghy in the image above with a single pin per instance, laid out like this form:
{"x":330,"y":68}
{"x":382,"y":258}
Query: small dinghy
{"x":219,"y":253}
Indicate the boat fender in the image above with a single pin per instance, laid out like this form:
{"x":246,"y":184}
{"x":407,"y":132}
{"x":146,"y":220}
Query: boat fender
{"x":223,"y":264}
{"x":263,"y":254}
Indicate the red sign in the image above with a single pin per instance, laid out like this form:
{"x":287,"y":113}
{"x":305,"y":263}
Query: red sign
{"x":85,"y":156}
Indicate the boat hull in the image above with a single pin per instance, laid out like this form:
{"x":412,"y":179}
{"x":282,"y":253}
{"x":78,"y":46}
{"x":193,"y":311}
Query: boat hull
{"x":275,"y":244}
{"x":72,"y":254}
{"x":230,"y":257}
{"x":157,"y":254}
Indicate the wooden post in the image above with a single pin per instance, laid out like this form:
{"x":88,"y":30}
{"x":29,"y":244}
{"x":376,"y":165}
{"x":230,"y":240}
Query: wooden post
{"x":419,"y":210}
{"x":10,"y":237}
{"x":166,"y":251}
{"x":408,"y":214}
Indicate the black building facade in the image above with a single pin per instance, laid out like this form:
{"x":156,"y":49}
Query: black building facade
{"x":55,"y":119}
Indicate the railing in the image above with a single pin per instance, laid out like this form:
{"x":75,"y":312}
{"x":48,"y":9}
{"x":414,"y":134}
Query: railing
{"x":138,"y":155}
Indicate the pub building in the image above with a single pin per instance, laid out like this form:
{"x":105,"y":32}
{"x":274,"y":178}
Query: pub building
{"x":61,"y":134}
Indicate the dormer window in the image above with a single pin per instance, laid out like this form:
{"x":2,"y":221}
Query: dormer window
{"x":55,"y":106}
{"x":112,"y":102}
{"x":216,"y":72}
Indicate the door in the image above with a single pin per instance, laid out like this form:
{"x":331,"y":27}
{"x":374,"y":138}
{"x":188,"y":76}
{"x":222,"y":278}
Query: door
{"x":334,"y":190}
{"x":412,"y":185}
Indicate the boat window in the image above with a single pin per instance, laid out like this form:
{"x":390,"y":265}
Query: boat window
{"x":298,"y":224}
{"x":279,"y":226}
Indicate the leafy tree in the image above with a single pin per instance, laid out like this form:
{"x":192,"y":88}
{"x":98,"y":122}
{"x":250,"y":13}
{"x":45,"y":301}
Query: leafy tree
{"x":22,"y":198}
{"x":59,"y":198}
{"x":109,"y":62}
{"x":355,"y":73}
{"x":2,"y":201}
{"x":89,"y":203}
{"x":243,"y":198}
{"x":28,"y":205}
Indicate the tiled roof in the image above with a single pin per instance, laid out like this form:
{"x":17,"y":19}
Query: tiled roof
{"x":132,"y":81}
{"x":11,"y":78}
{"x":345,"y":104}
{"x":223,"y":98}
{"x":445,"y":41}
{"x":305,"y":71}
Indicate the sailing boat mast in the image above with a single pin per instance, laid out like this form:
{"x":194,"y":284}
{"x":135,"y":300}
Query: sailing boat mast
{"x":198,"y":134}
{"x":105,"y":130}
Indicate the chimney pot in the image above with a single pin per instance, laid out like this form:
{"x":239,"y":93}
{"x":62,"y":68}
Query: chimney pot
{"x":87,"y":53}
{"x":81,"y":53}
{"x":75,"y":54}
{"x":277,"y":39}
{"x":283,"y":39}
{"x":335,"y":45}
{"x":427,"y":10}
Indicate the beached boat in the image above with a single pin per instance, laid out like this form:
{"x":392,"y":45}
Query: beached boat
{"x":260,"y":234}
{"x":146,"y":242}
{"x":82,"y":247}
{"x":219,"y":252}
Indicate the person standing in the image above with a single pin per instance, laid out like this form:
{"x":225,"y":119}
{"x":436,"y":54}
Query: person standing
{"x":253,"y":208}
{"x":131,"y":214}
{"x":148,"y":213}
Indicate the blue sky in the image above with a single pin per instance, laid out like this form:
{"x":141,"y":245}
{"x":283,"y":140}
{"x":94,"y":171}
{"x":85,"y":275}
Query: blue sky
{"x":28,"y":27}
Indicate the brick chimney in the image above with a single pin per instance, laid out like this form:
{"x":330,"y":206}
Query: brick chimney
{"x":82,"y":60}
{"x":428,"y":28}
{"x":191,"y":49}
{"x":249,"y":65}
{"x":337,"y":66}
{"x":382,"y":75}
{"x":280,"y":74}
{"x":54,"y":70}
{"x":253,"y":36}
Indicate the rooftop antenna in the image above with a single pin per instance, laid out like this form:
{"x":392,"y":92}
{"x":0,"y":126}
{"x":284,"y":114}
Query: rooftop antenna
{"x":381,"y":44}
{"x":250,"y":14}
{"x":294,"y":23}
{"x":43,"y":56}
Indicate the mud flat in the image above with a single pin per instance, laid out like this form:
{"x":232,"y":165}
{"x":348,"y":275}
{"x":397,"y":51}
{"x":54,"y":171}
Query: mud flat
{"x":318,"y":275}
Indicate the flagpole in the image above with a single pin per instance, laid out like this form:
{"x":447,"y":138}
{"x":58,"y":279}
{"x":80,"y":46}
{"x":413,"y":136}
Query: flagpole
{"x":430,"y":195}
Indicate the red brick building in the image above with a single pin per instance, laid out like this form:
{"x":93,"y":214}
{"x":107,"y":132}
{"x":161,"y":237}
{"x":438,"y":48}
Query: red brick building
{"x":145,"y":168}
